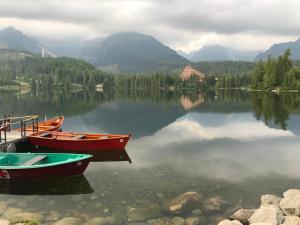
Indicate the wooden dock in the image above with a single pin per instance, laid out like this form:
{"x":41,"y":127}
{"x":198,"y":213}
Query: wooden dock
{"x":12,"y":137}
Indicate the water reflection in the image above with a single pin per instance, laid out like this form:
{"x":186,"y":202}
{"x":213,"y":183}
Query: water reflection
{"x":47,"y":186}
{"x":238,"y":148}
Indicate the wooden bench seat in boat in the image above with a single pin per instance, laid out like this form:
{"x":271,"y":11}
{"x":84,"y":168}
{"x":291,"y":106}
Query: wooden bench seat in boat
{"x":78,"y":137}
{"x":34,"y":160}
{"x":44,"y":134}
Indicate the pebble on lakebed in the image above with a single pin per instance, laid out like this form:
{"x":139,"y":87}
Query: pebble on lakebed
{"x":273,"y":210}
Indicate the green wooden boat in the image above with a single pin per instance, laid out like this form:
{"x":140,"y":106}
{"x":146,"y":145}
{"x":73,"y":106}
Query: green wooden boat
{"x":20,"y":165}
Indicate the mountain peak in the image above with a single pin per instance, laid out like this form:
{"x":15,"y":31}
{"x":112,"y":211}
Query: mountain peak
{"x":280,"y":48}
{"x":131,"y":52}
{"x":12,"y":38}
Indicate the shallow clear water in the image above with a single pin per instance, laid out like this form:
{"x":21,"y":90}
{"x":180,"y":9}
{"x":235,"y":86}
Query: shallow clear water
{"x":235,"y":146}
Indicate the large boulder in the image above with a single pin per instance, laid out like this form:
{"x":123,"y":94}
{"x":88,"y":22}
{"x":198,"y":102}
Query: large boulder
{"x":270,"y":200}
{"x":267,"y":214}
{"x":242,"y":215}
{"x":142,"y":214}
{"x":184,"y":202}
{"x":213,"y":204}
{"x":291,"y":220}
{"x":291,"y":206}
{"x":291,"y":193}
{"x":230,"y":222}
{"x":69,"y":221}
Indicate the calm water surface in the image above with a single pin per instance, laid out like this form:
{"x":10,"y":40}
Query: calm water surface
{"x":236,"y":146}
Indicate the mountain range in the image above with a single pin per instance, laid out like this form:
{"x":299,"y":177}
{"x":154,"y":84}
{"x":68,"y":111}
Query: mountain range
{"x":133,"y":52}
{"x":127,"y":52}
{"x":217,"y":53}
{"x":279,"y":49}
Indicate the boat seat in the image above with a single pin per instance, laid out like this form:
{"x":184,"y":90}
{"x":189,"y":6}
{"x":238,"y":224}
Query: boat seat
{"x":44,"y":134}
{"x":34,"y":160}
{"x":78,"y":137}
{"x":103,"y":137}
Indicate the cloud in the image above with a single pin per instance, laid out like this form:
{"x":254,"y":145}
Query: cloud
{"x":181,"y":24}
{"x":234,"y":148}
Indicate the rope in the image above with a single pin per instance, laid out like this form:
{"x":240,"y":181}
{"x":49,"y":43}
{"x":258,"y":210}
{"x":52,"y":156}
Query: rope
{"x":8,"y":121}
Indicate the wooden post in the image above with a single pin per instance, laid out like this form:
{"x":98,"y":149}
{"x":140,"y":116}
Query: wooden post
{"x":22,"y":128}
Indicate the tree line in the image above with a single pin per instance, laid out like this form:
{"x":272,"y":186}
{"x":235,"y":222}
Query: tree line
{"x":276,"y":73}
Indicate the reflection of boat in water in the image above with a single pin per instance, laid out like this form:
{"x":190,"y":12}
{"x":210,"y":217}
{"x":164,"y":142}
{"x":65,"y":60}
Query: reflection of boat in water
{"x":98,"y":156}
{"x":53,"y":186}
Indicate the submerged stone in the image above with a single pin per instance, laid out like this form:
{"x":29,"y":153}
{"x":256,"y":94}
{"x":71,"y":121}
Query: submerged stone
{"x":69,"y":221}
{"x":109,"y":220}
{"x":213,"y":204}
{"x":27,"y":216}
{"x":183,"y":202}
{"x":9,"y":212}
{"x":142,"y":214}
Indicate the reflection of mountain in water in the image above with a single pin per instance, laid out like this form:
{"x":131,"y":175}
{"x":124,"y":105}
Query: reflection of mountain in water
{"x":138,"y":118}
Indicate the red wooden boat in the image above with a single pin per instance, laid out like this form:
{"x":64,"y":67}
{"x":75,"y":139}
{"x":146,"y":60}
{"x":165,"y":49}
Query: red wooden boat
{"x":78,"y":141}
{"x":32,"y":165}
{"x":54,"y":124}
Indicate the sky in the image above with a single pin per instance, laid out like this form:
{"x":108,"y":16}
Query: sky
{"x":185,"y":25}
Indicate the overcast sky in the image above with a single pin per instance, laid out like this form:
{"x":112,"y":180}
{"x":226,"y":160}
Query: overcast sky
{"x":181,"y":24}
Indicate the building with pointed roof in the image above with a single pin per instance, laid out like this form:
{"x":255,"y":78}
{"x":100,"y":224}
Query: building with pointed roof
{"x":188,"y":71}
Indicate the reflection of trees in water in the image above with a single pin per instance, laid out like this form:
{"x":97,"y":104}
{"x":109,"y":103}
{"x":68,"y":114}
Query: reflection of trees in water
{"x":274,"y":107}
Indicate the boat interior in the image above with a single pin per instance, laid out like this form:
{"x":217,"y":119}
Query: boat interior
{"x":34,"y":159}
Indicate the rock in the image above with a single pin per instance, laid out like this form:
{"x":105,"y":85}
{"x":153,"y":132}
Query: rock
{"x":160,"y":221}
{"x":142,"y":214}
{"x":109,"y":220}
{"x":230,"y":222}
{"x":4,"y":222}
{"x":54,"y":216}
{"x":290,"y":206}
{"x":69,"y":221}
{"x":3,"y":207}
{"x":178,"y":220}
{"x":183,"y":202}
{"x":197,"y":212}
{"x":291,"y":193}
{"x":261,"y":224}
{"x":242,"y":215}
{"x":270,"y":200}
{"x":192,"y":220}
{"x":213,"y":204}
{"x":291,"y":220}
{"x":9,"y":212}
{"x":27,"y":217}
{"x":267,"y":214}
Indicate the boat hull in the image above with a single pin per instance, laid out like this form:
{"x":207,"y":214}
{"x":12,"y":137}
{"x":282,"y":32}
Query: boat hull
{"x":80,"y":145}
{"x":63,"y":170}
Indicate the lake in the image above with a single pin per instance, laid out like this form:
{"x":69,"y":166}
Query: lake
{"x":235,"y":146}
